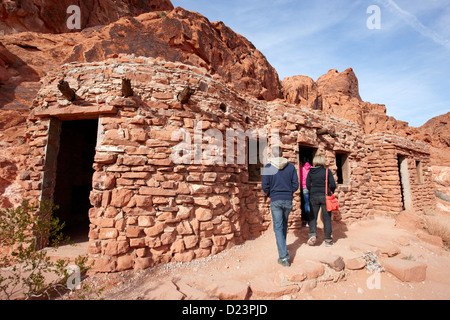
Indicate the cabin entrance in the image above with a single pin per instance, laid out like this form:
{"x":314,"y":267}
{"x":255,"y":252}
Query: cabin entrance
{"x":305,"y":154}
{"x":74,"y":171}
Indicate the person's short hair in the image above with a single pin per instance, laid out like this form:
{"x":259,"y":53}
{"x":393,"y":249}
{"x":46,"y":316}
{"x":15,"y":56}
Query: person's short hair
{"x":319,"y":161}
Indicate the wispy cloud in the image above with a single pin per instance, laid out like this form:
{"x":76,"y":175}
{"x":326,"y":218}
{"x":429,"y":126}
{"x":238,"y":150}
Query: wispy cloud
{"x":415,"y":23}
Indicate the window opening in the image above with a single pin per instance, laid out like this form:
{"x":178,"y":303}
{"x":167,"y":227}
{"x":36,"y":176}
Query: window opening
{"x":343,"y":168}
{"x":419,"y":172}
{"x":255,"y":151}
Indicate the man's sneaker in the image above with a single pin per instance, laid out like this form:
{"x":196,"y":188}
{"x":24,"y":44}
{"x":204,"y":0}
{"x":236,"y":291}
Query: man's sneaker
{"x":311,"y":241}
{"x":329,"y":243}
{"x":284,"y":262}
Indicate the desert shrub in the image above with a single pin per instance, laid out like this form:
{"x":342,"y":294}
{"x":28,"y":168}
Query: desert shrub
{"x":25,"y":268}
{"x":438,"y":224}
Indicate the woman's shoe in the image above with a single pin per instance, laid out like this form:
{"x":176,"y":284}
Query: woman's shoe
{"x":284,"y":262}
{"x":311,"y":241}
{"x":329,"y":243}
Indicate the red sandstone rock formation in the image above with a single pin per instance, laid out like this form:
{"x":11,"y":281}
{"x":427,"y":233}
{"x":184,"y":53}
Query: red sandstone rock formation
{"x":334,"y":83}
{"x":178,"y":35}
{"x":335,"y":93}
{"x":51,"y":16}
{"x":6,"y":59}
{"x":300,"y":90}
{"x":437,"y":130}
{"x":12,"y":157}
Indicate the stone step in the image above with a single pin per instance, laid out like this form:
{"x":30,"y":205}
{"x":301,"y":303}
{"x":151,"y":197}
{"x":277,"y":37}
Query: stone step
{"x":405,"y":270}
{"x":229,"y":290}
{"x":263,"y":287}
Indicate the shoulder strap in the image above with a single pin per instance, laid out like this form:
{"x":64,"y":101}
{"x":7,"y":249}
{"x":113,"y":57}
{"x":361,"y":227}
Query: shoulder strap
{"x":326,"y":181}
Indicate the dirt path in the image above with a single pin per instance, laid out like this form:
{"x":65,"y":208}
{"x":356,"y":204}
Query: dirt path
{"x":254,"y":265}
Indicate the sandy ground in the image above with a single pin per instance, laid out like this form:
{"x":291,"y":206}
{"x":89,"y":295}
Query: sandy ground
{"x":258,"y":258}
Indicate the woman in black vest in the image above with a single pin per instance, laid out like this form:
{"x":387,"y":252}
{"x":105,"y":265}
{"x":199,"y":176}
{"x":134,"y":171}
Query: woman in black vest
{"x":315,"y":183}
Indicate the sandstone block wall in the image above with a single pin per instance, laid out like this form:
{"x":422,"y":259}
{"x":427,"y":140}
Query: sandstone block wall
{"x":386,"y":176}
{"x":148,"y":210}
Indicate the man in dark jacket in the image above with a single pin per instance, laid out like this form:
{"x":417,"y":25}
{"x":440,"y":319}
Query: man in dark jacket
{"x":315,"y":182}
{"x":279,"y":182}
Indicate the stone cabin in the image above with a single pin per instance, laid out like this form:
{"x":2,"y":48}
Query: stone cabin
{"x":106,"y":160}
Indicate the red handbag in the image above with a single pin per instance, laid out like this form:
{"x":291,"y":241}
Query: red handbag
{"x":331,"y":201}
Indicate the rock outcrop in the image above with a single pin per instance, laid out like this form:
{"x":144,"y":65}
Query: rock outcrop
{"x":335,"y":93}
{"x":51,"y":16}
{"x":301,"y":90}
{"x":12,"y":157}
{"x":437,"y":130}
{"x":178,"y":35}
{"x":6,"y":60}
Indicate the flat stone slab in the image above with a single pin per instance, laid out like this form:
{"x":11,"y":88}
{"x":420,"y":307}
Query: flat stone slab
{"x":385,"y":248}
{"x":230,"y":290}
{"x":193,"y":293}
{"x":355,"y":263}
{"x":76,"y":112}
{"x":166,"y":290}
{"x":405,"y":270}
{"x":264,"y":288}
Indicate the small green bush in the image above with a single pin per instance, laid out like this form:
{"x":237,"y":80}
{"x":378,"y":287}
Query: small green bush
{"x":25,"y":267}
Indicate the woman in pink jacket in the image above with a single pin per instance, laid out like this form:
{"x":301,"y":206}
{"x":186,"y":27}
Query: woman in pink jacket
{"x":304,"y":169}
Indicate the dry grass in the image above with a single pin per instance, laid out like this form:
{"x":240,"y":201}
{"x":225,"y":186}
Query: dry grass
{"x":438,"y":224}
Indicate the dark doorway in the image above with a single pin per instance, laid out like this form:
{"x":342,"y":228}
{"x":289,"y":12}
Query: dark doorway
{"x":305,"y":154}
{"x":255,"y":152}
{"x":74,"y":176}
{"x":343,"y":169}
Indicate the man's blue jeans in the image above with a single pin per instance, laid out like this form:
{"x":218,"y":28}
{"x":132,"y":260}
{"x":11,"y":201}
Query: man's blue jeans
{"x":280,"y":215}
{"x":305,"y":216}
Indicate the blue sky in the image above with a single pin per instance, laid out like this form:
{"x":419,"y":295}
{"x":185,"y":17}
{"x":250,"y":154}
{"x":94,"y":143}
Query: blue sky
{"x":405,"y":64}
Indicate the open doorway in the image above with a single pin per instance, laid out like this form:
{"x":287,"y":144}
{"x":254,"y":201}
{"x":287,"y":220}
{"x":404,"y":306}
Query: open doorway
{"x":306,"y":155}
{"x":74,"y":176}
{"x":404,"y":182}
{"x":343,"y":168}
